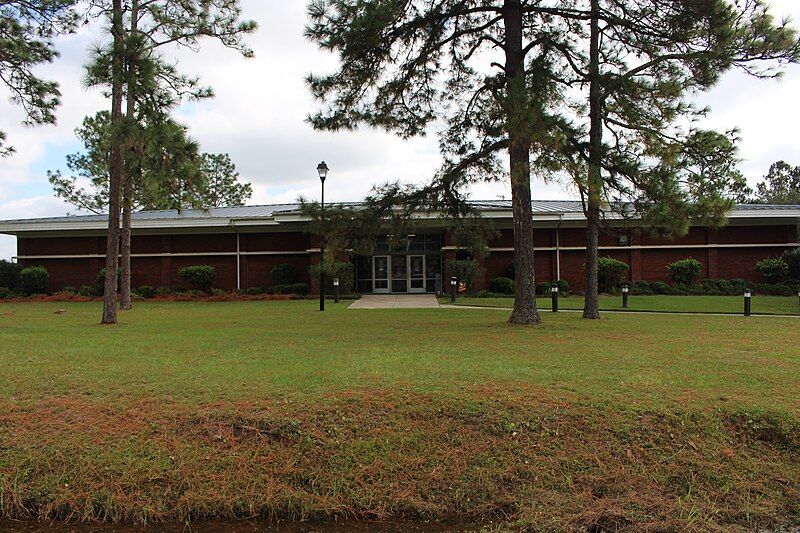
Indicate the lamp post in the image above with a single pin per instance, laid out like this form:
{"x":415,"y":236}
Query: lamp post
{"x":322,"y":170}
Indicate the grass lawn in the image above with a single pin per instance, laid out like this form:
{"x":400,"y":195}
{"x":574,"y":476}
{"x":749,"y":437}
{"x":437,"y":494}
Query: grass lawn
{"x":221,"y":410}
{"x":765,"y":305}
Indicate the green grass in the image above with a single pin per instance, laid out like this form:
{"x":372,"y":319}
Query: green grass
{"x":203,"y":410}
{"x":766,"y":305}
{"x":203,"y":352}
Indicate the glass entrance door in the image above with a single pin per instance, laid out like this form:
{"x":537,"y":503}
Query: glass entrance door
{"x":381,"y":266}
{"x":416,"y":273}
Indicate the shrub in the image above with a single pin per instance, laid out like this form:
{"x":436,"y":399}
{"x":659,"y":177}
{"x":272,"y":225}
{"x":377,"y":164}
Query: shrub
{"x":678,"y":289}
{"x":88,"y":291}
{"x":611,"y":273}
{"x":70,"y":290}
{"x":502,"y":285}
{"x":563,"y":286}
{"x":739,"y":285}
{"x":201,"y":277}
{"x":300,"y":289}
{"x":543,"y":288}
{"x":283,"y":274}
{"x":5,"y":293}
{"x":466,"y":270}
{"x":776,"y":289}
{"x":34,"y":280}
{"x":146,"y":291}
{"x":254,"y":291}
{"x":659,"y":287}
{"x":792,"y":258}
{"x":9,"y":275}
{"x":685,"y":271}
{"x":163,"y":291}
{"x":344,"y":271}
{"x":773,"y":270}
{"x":642,"y":288}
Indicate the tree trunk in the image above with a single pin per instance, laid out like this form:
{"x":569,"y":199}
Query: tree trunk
{"x":519,"y":136}
{"x":115,"y":168}
{"x":125,"y":303}
{"x":594,"y":183}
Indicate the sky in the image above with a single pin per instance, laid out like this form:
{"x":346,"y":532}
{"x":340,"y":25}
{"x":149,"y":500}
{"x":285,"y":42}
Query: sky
{"x":258,"y":117}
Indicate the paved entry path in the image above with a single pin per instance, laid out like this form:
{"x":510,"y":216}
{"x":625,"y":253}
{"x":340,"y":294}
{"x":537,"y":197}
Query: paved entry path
{"x":396,"y":301}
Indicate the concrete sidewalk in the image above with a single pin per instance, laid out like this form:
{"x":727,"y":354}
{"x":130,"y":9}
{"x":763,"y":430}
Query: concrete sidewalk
{"x":396,"y":301}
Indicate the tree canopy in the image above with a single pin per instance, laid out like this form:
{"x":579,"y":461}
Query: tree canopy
{"x":781,"y":185}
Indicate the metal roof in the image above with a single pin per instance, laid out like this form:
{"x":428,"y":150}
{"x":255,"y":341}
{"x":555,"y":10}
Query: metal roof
{"x":275,"y":214}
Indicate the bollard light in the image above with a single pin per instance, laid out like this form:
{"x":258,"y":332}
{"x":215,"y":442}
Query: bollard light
{"x":554,"y":296}
{"x":336,"y":290}
{"x":747,"y":309}
{"x":625,"y":293}
{"x":453,"y":289}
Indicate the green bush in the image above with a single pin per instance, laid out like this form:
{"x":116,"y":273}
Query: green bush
{"x":146,"y":291}
{"x":611,"y":273}
{"x":466,"y":270}
{"x":300,"y":289}
{"x":501,"y":285}
{"x":776,"y":289}
{"x":88,"y":291}
{"x":34,"y":280}
{"x":659,"y":287}
{"x":200,"y":277}
{"x":685,"y":271}
{"x":254,"y":291}
{"x":100,"y":281}
{"x":163,"y":291}
{"x":9,"y":275}
{"x":5,"y":293}
{"x":792,"y":258}
{"x":283,"y":274}
{"x":563,"y":287}
{"x":69,"y":290}
{"x":344,"y":271}
{"x":543,"y":288}
{"x":642,"y":288}
{"x":773,"y":270}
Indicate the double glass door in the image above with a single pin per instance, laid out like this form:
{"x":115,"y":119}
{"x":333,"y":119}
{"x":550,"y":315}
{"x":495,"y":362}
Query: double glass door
{"x":398,"y":273}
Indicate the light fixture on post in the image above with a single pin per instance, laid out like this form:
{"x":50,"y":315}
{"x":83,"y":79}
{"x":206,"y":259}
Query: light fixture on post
{"x":322,"y":170}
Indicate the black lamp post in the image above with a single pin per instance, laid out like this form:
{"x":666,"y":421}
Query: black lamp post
{"x":322,"y":170}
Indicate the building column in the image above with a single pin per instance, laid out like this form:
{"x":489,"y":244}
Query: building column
{"x":712,"y":254}
{"x":635,"y":258}
{"x":166,"y":261}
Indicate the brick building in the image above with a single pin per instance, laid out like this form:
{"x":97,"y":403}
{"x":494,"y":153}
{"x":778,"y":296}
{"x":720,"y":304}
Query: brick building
{"x":244,"y":243}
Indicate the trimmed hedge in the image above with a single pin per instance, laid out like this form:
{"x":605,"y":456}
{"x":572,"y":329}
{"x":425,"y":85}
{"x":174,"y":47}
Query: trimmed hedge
{"x":300,"y":289}
{"x":88,"y":291}
{"x":773,"y":270}
{"x":9,"y":275}
{"x":502,"y":285}
{"x":201,"y":277}
{"x":5,"y":293}
{"x":792,"y":258}
{"x":34,"y":280}
{"x":685,"y":271}
{"x":611,"y":274}
{"x":146,"y":291}
{"x":283,"y":274}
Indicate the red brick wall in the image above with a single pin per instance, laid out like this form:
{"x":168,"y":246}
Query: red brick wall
{"x":649,"y":264}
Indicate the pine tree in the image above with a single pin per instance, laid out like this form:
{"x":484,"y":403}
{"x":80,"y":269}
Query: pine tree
{"x":481,"y":68}
{"x":135,"y":64}
{"x":222,"y":187}
{"x":781,"y":185}
{"x":643,"y":60}
{"x":27,"y":30}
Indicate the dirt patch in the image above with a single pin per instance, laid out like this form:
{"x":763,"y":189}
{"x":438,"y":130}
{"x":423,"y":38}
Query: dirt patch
{"x":523,"y":458}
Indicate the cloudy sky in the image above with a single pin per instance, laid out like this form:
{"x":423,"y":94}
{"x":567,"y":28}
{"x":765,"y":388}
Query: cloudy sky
{"x":260,"y":106}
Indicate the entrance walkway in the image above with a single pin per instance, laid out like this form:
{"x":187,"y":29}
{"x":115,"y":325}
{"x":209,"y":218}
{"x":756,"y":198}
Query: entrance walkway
{"x":396,"y":301}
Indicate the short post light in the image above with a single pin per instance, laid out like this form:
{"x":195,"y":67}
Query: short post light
{"x":747,"y":297}
{"x":554,"y":296}
{"x":625,"y":295}
{"x":453,"y":289}
{"x":322,"y":171}
{"x":336,"y":290}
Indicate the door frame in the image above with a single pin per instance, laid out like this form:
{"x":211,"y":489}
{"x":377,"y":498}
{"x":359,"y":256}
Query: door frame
{"x":424,"y":287}
{"x":388,"y":288}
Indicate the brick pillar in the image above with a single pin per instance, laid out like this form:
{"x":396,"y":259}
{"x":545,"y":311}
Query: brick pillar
{"x":166,"y":261}
{"x":243,"y":261}
{"x":635,"y":258}
{"x":713,"y":254}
